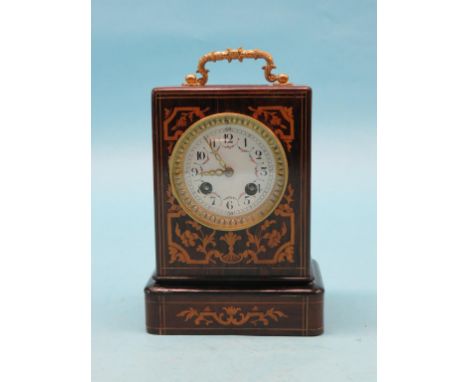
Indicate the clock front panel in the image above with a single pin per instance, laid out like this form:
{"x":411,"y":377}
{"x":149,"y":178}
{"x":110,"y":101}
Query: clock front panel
{"x":232,"y":183}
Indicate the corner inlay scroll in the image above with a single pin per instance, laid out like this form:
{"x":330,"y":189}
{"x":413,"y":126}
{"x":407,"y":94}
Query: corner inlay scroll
{"x":280,"y":119}
{"x":177,"y":120}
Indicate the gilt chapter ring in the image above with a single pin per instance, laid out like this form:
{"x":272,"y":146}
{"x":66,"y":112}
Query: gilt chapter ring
{"x":209,"y":218}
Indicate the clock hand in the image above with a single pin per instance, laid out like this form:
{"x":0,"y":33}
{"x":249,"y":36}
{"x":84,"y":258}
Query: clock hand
{"x":219,"y":171}
{"x":228,"y":171}
{"x":216,"y":154}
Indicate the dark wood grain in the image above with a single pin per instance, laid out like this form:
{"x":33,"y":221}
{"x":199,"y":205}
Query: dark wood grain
{"x":286,"y":111}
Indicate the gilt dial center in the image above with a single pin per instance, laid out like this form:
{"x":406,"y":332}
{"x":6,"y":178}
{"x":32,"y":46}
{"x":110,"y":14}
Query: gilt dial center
{"x":229,"y":172}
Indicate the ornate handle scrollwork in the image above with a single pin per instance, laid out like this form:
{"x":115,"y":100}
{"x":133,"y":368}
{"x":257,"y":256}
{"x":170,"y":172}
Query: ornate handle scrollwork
{"x":236,"y":54}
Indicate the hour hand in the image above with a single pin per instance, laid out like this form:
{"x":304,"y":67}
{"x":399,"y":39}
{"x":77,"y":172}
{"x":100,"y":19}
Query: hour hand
{"x":216,"y":154}
{"x":217,"y":172}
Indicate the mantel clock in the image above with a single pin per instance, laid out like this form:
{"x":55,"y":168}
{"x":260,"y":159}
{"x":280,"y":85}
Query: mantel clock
{"x":232,"y":197}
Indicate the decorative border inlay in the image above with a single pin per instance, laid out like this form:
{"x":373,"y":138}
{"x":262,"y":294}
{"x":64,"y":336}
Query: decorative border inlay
{"x":190,"y":243}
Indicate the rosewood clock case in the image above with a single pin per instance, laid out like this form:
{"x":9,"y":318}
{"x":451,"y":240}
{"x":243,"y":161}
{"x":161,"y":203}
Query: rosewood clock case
{"x":259,"y":280}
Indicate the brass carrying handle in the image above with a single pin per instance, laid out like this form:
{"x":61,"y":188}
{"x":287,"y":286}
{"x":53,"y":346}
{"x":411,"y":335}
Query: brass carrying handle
{"x":236,"y":54}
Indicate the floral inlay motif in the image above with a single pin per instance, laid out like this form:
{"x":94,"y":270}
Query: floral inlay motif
{"x":276,"y":232}
{"x":231,"y":316}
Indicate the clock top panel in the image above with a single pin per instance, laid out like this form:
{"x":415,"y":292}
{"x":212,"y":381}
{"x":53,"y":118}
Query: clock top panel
{"x":276,"y":248}
{"x":233,"y":89}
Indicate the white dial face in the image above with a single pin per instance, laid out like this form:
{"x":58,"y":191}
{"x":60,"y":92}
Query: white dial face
{"x":228,"y":171}
{"x":238,"y":185}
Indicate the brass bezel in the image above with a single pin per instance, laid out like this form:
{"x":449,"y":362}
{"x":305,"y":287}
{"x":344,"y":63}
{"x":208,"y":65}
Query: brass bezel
{"x":201,"y":214}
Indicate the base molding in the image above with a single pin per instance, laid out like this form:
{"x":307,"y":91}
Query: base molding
{"x":248,"y":310}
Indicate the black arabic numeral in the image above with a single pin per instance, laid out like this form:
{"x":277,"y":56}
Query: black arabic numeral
{"x":201,"y":155}
{"x":213,"y":143}
{"x":228,"y":139}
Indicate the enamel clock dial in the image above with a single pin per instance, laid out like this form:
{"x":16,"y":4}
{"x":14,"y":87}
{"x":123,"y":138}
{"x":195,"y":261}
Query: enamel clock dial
{"x":228,"y":171}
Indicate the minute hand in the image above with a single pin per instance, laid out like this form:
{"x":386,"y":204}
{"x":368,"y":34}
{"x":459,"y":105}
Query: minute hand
{"x":216,"y":154}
